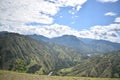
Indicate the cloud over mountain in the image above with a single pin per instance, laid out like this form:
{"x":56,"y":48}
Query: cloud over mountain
{"x":15,"y":14}
{"x":110,"y":32}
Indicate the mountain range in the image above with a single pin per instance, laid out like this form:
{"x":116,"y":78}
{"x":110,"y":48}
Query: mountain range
{"x":39,"y":55}
{"x":66,"y":55}
{"x":107,"y":65}
{"x":84,"y":45}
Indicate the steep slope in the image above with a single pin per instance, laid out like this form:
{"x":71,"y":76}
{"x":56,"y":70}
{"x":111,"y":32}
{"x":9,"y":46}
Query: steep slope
{"x":101,"y":46}
{"x":39,"y":37}
{"x":73,"y":42}
{"x":66,"y":40}
{"x":84,"y":45}
{"x":22,"y":53}
{"x":15,"y":46}
{"x":107,"y":65}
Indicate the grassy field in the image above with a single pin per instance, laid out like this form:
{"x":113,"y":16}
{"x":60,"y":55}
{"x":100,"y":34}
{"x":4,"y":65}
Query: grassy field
{"x":8,"y":75}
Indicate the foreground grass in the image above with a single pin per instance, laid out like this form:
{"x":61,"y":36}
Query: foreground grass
{"x":8,"y":75}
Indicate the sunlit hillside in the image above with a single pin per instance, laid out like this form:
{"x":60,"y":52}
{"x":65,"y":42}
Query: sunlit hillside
{"x":8,"y":75}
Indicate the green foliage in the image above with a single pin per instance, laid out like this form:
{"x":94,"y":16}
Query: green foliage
{"x":39,"y":57}
{"x":107,"y":65}
{"x":23,"y":54}
{"x":34,"y":68}
{"x":19,"y":66}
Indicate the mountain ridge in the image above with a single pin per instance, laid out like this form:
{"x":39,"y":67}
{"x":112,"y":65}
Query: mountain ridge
{"x":106,"y":65}
{"x":84,"y":45}
{"x":35,"y":56}
{"x":22,"y":53}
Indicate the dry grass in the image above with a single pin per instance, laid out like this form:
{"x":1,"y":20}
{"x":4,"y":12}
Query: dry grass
{"x":8,"y":75}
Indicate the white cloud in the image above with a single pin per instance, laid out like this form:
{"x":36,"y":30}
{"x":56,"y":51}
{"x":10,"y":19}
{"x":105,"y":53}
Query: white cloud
{"x":117,"y":20}
{"x":105,"y":1}
{"x":110,"y":14}
{"x":39,"y":11}
{"x":48,"y":31}
{"x":61,"y":16}
{"x":78,"y":8}
{"x":14,"y":14}
{"x":113,"y":27}
{"x":109,"y":32}
{"x":72,"y":3}
{"x":26,"y":11}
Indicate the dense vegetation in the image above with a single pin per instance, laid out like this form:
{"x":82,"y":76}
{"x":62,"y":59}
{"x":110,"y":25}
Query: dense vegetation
{"x":25,"y":54}
{"x":107,"y":65}
{"x":21,"y":53}
{"x":84,"y":45}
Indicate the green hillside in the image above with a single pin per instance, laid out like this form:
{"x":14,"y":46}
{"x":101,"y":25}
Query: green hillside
{"x":7,"y":75}
{"x":107,"y":65}
{"x":84,"y":45}
{"x":24,"y":54}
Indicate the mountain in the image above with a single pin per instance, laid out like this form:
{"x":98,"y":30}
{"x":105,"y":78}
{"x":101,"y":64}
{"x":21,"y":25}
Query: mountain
{"x":25,"y":54}
{"x":101,"y":46}
{"x":84,"y":45}
{"x":73,"y":42}
{"x":106,"y":65}
{"x":39,"y":37}
{"x":22,"y":53}
{"x":66,"y":40}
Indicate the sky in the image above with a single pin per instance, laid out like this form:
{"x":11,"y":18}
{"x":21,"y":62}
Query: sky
{"x":95,"y":19}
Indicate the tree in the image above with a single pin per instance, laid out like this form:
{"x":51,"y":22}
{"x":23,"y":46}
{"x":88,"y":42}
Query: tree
{"x":19,"y":65}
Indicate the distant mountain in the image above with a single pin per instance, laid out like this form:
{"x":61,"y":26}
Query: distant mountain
{"x":66,"y":40}
{"x":107,"y":65}
{"x":3,"y":32}
{"x":22,"y":53}
{"x":101,"y":46}
{"x":73,"y":42}
{"x":39,"y":37}
{"x":86,"y":40}
{"x":61,"y":55}
{"x":84,"y":45}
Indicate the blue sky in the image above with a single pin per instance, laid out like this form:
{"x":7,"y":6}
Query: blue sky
{"x":96,"y":19}
{"x":92,"y":13}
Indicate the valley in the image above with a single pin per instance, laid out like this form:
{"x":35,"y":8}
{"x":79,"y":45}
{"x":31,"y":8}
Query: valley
{"x":41,"y":55}
{"x":59,"y":39}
